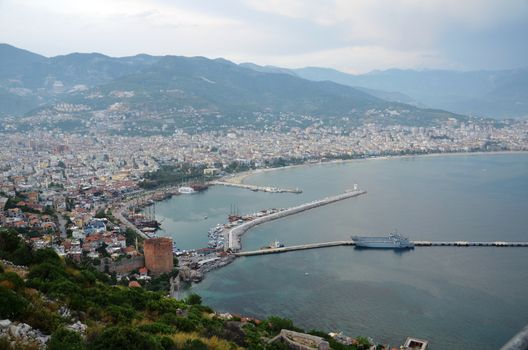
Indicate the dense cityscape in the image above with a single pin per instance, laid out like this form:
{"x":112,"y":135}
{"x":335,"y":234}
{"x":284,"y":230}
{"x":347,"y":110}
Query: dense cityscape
{"x":65,"y":191}
{"x":141,"y":206}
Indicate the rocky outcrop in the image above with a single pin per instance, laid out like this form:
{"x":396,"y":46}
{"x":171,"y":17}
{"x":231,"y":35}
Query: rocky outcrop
{"x":190,"y":275}
{"x":78,"y":327}
{"x":22,"y":333}
{"x":301,"y":341}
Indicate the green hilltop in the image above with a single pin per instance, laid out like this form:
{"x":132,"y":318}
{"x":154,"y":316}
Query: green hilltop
{"x":82,"y":308}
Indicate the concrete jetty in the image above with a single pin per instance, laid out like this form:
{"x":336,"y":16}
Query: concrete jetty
{"x":352,"y":243}
{"x":257,"y":188}
{"x":233,"y":235}
{"x":469,"y":244}
{"x":295,"y":247}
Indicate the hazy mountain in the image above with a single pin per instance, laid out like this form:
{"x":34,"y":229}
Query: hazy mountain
{"x":222,"y":87}
{"x":171,"y":86}
{"x":13,"y":61}
{"x":268,"y":69}
{"x":28,"y":80}
{"x":336,"y":77}
{"x":484,"y":93}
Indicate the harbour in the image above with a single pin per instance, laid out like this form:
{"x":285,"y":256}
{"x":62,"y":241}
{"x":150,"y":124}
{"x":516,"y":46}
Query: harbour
{"x":233,"y":235}
{"x":382,"y":293}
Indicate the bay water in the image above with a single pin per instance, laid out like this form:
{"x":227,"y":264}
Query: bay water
{"x":456,"y":298}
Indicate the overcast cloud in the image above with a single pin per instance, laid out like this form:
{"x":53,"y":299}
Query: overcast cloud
{"x":350,"y":35}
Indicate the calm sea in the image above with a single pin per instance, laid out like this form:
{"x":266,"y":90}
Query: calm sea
{"x":457,"y":298}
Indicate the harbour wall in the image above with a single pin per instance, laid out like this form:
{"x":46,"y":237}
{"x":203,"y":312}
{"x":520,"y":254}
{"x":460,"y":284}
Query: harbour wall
{"x":500,"y":244}
{"x":234,"y":234}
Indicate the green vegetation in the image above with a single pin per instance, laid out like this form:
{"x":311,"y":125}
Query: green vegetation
{"x":172,"y":175}
{"x":117,"y":317}
{"x":131,"y":236}
{"x":64,"y":339}
{"x":100,"y":214}
{"x":161,"y":282}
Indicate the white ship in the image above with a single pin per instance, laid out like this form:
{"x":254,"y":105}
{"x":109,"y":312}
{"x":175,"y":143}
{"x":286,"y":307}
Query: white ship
{"x":393,"y":241}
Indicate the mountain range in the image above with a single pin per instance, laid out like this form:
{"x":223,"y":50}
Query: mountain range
{"x":497,"y":94}
{"x":171,"y":85}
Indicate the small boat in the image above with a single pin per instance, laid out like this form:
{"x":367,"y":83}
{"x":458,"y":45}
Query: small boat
{"x":273,"y":245}
{"x":277,"y":244}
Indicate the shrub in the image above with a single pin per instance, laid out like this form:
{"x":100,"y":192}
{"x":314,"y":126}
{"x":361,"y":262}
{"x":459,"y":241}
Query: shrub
{"x":12,"y":281}
{"x":41,"y":318}
{"x":9,"y":240}
{"x":64,"y":339}
{"x":22,"y":255}
{"x":46,"y":255}
{"x":275,"y":324}
{"x":12,"y":306}
{"x":195,"y":344}
{"x":194,"y":299}
{"x":119,"y":338}
{"x":167,"y":343}
{"x":156,"y":328}
{"x":185,"y":324}
{"x":121,"y":314}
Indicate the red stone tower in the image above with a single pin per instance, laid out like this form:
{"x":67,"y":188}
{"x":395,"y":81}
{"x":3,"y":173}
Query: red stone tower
{"x":158,"y":255}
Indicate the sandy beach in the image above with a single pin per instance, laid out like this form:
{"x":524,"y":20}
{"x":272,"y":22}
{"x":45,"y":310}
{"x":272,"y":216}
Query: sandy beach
{"x":239,"y":178}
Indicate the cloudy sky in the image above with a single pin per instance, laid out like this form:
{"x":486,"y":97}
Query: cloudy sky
{"x":355,"y":36}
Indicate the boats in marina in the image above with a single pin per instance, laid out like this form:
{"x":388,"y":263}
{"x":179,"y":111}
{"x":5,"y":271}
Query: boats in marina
{"x":393,"y":241}
{"x":216,"y":237}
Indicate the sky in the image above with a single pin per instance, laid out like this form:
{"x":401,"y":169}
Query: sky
{"x":355,"y":36}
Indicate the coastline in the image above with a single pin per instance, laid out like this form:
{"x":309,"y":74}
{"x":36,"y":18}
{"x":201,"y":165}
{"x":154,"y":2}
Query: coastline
{"x":160,"y":194}
{"x":223,"y":288}
{"x":239,"y":178}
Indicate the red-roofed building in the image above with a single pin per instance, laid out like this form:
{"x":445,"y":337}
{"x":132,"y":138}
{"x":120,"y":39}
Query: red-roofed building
{"x":131,"y":251}
{"x":121,"y":240}
{"x":134,"y":284}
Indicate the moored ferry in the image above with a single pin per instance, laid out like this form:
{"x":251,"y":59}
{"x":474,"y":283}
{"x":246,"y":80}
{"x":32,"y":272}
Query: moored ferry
{"x":393,"y":241}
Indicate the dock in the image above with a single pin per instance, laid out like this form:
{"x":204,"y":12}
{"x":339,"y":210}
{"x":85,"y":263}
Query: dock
{"x":469,"y":244}
{"x":257,"y":188}
{"x":295,"y":247}
{"x":234,"y":234}
{"x":352,"y":243}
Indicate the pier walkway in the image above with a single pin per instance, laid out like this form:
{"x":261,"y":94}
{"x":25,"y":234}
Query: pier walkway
{"x":257,"y":188}
{"x":233,"y":235}
{"x":295,"y":247}
{"x":352,"y":243}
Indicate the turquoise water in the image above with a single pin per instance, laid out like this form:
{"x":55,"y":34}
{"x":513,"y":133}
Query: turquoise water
{"x":457,"y":298}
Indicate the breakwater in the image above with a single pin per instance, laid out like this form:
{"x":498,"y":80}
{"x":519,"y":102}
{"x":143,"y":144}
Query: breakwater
{"x":352,"y":243}
{"x":295,"y":247}
{"x":257,"y":188}
{"x":234,"y":234}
